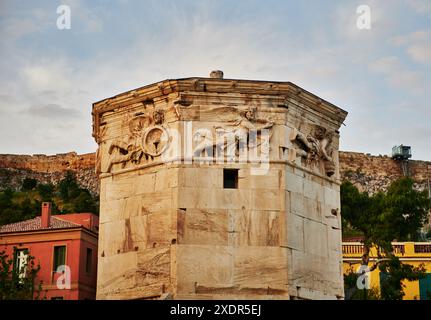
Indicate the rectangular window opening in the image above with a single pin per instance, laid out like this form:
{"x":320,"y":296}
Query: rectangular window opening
{"x":20,"y":262}
{"x":59,"y":257}
{"x":230,"y":178}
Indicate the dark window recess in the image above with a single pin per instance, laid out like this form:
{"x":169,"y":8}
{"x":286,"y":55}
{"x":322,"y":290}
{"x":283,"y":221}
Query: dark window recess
{"x":59,"y":257}
{"x":230,"y":178}
{"x":20,"y":262}
{"x":89,"y":261}
{"x":56,"y":298}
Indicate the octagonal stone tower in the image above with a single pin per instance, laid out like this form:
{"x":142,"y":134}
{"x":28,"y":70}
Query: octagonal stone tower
{"x":218,"y":189}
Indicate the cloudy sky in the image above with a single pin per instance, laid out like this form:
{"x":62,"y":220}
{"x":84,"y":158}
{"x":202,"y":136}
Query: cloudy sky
{"x":49,"y":77}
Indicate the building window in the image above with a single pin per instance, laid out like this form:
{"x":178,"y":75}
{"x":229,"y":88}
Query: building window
{"x":20,"y":262}
{"x":425,"y":287}
{"x":59,"y":257}
{"x":57,"y":298}
{"x":89,"y":261}
{"x":230,"y":178}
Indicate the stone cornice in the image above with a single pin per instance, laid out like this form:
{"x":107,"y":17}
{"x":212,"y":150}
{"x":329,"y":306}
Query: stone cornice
{"x":289,"y":91}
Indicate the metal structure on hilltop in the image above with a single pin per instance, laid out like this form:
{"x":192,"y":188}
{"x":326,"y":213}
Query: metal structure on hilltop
{"x":403,"y":154}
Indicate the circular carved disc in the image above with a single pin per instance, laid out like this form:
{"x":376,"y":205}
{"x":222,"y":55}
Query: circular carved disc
{"x":155,"y":140}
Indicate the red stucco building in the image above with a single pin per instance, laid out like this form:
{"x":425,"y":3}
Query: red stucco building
{"x":65,"y":243}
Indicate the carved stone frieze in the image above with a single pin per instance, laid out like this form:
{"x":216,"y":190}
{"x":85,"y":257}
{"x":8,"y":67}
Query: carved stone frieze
{"x":315,"y":147}
{"x":146,"y":138}
{"x":239,"y":128}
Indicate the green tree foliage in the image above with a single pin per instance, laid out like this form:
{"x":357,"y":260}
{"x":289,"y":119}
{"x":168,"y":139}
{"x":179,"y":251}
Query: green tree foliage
{"x":395,"y":272}
{"x":12,"y":210}
{"x":46,"y":191}
{"x":84,"y":202}
{"x":15,"y":287}
{"x":382,"y":218}
{"x":68,"y":188}
{"x":28,"y":184}
{"x":75,"y":198}
{"x":66,"y":197}
{"x":6,"y":199}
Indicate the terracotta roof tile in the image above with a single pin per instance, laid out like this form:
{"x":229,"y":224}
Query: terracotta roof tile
{"x":35,"y":224}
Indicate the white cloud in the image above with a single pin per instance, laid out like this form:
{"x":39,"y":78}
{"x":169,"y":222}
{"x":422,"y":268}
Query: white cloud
{"x":52,"y":111}
{"x":47,"y":75}
{"x":399,"y":75}
{"x":385,"y":65}
{"x":420,"y":52}
{"x":417,"y":45}
{"x":13,"y":28}
{"x":421,"y":6}
{"x":16,"y":28}
{"x":413,"y":37}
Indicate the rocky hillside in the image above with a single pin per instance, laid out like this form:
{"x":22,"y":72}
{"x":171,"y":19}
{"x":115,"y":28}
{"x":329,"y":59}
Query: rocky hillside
{"x":367,"y":172}
{"x":373,"y":173}
{"x":48,"y":169}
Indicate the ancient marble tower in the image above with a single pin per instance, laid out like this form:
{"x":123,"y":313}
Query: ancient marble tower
{"x":218,"y":189}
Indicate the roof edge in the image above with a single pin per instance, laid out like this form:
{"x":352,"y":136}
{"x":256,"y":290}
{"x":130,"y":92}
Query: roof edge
{"x":215,"y":80}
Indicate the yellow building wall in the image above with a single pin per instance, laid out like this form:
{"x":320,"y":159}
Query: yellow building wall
{"x":409,"y":252}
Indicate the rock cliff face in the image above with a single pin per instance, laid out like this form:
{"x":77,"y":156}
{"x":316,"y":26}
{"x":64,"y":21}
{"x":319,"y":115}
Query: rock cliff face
{"x":14,"y":168}
{"x":369,"y":173}
{"x":374,"y":173}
